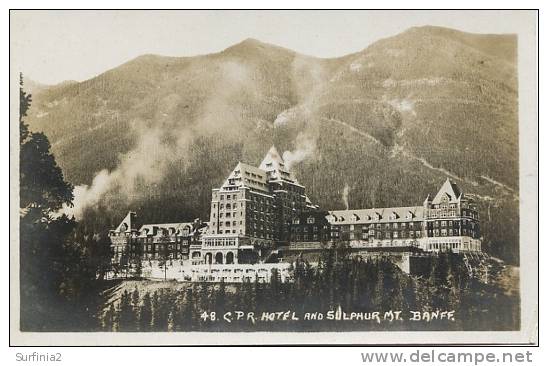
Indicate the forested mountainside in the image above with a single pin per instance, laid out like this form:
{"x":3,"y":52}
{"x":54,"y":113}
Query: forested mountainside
{"x":387,"y":125}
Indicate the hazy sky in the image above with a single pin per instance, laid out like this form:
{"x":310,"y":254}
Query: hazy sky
{"x":52,"y":46}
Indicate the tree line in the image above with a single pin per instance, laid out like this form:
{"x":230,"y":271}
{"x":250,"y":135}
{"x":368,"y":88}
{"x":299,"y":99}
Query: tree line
{"x":339,"y":280}
{"x":62,"y":264}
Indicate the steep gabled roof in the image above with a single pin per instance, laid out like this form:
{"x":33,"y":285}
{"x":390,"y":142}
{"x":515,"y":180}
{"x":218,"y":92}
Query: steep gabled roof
{"x":244,"y":175}
{"x":128,"y":223}
{"x":449,"y":190}
{"x":273,"y":164}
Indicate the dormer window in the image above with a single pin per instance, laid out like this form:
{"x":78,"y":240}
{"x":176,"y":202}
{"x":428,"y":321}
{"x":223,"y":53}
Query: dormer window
{"x":310,"y":220}
{"x":296,"y":221}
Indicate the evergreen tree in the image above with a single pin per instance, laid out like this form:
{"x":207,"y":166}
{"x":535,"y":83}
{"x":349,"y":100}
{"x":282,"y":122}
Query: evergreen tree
{"x":126,"y":313}
{"x":157,"y":316}
{"x":145,"y":313}
{"x":220,"y":298}
{"x":109,"y":318}
{"x":170,"y":322}
{"x":247,"y":297}
{"x":439,"y":282}
{"x":135,"y":302}
{"x":54,"y":276}
{"x":187,"y":310}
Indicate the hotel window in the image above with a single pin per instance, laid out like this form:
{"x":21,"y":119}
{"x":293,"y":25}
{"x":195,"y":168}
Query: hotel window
{"x":444,"y":223}
{"x":395,"y":225}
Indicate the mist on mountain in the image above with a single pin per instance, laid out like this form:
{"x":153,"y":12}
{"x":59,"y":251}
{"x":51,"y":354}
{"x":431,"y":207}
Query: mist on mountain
{"x":378,"y":128}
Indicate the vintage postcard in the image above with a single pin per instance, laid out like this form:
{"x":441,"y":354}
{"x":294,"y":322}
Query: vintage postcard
{"x":315,"y":177}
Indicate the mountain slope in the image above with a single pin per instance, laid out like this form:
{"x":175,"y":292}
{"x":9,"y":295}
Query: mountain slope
{"x":387,"y":125}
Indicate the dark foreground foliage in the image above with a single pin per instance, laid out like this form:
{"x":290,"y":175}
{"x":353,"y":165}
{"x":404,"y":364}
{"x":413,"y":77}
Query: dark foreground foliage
{"x":336,"y":283}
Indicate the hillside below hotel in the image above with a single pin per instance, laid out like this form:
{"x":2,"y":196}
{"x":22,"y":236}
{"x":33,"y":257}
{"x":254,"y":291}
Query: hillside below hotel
{"x":261,"y":221}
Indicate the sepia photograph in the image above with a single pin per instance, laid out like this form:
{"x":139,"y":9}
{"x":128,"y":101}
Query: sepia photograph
{"x":204,"y":176}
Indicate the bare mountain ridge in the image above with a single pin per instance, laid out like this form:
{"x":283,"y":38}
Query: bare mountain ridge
{"x":390,"y":122}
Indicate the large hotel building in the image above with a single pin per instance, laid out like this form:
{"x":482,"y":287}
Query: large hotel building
{"x":251,"y":212}
{"x":263,"y":215}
